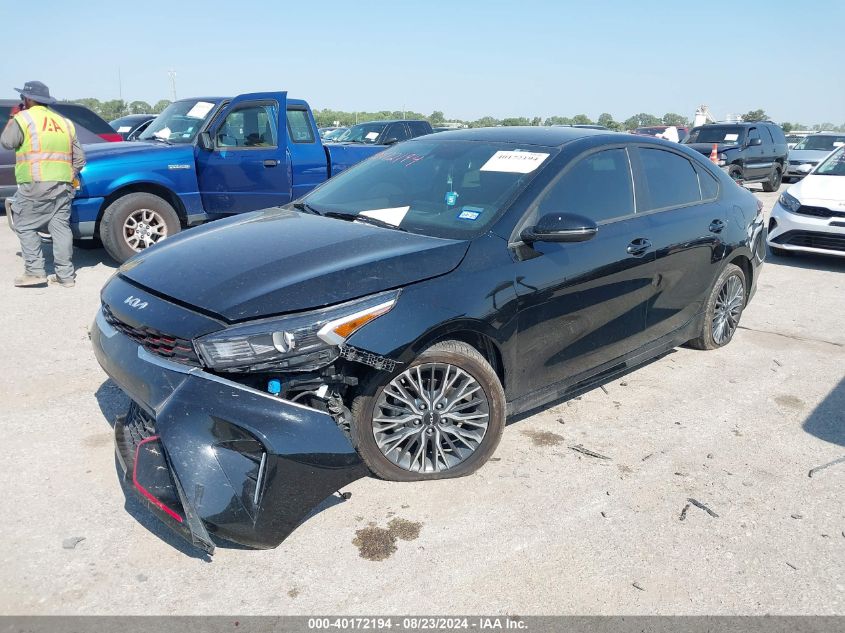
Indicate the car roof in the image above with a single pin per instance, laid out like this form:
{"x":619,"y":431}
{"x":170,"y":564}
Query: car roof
{"x":827,"y":133}
{"x":529,"y":134}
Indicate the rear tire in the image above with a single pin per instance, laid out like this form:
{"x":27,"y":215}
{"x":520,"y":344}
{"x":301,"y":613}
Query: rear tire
{"x":443,"y":406}
{"x":773,"y":183}
{"x":135,"y":222}
{"x":724,"y":310}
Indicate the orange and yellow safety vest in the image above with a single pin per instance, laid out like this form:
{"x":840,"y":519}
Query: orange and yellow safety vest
{"x":46,"y":152}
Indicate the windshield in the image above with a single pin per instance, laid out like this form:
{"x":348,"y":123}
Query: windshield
{"x":363,"y":133}
{"x":716,"y":134}
{"x":820,"y":142}
{"x":334,"y":135}
{"x":834,"y":165}
{"x":449,"y":189}
{"x":179,"y":122}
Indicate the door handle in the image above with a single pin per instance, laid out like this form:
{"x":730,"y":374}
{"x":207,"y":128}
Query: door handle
{"x":638,"y":247}
{"x":716,"y":226}
{"x":271,"y":162}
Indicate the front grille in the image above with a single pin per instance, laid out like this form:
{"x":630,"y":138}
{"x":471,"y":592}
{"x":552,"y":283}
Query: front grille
{"x":812,"y":239}
{"x":178,"y":349}
{"x":137,"y":426}
{"x":804,"y":162}
{"x":820,"y":212}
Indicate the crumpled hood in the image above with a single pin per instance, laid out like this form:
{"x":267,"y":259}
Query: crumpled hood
{"x":828,"y":191}
{"x":277,"y":261}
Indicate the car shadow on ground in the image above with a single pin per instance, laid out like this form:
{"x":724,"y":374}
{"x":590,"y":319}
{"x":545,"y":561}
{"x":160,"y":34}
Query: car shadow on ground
{"x":808,"y":261}
{"x":827,"y":421}
{"x":577,"y":392}
{"x":112,"y":401}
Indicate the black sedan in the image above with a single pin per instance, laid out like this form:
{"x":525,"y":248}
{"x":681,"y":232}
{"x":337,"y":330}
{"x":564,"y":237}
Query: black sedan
{"x":390,"y":321}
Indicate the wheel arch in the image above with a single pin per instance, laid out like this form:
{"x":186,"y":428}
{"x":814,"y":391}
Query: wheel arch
{"x":747,"y":269}
{"x":152,"y":188}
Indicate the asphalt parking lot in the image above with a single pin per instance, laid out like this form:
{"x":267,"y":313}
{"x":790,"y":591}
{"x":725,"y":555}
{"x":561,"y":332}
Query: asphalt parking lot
{"x":541,"y":529}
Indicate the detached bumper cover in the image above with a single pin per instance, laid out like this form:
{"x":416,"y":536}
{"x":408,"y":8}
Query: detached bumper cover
{"x":243,"y":465}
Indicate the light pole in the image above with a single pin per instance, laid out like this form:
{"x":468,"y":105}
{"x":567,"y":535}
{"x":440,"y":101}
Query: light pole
{"x":172,"y":74}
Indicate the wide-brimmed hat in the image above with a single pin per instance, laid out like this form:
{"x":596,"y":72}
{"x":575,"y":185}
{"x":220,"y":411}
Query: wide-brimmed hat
{"x":36,"y":91}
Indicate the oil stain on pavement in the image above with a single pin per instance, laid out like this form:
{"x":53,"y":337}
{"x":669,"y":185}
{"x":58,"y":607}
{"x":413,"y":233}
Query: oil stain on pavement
{"x":791,"y":402}
{"x":543,"y":438}
{"x":375,"y":543}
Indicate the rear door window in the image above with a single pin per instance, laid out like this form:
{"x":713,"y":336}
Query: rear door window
{"x":670,"y":180}
{"x":598,"y":186}
{"x":707,"y":183}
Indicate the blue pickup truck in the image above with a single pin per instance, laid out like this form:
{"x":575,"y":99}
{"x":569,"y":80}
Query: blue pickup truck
{"x":203,"y":159}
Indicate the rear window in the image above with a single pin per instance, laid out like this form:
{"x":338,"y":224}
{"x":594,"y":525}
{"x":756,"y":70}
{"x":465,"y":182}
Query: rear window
{"x":83,"y":116}
{"x":726,"y":135}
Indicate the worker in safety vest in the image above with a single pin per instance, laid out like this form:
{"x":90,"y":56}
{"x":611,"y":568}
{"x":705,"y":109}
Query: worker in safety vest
{"x":48,"y":158}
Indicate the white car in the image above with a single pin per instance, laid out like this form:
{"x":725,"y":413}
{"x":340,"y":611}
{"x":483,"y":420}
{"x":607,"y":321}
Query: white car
{"x":810,"y":216}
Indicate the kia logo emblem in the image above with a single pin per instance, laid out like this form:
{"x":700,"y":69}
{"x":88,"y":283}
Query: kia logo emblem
{"x":135,"y":302}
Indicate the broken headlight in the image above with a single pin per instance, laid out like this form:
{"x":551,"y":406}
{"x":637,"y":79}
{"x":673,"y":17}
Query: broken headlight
{"x":298,"y":342}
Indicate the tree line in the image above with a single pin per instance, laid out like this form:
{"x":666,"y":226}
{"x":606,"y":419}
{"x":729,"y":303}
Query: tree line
{"x":117,"y":108}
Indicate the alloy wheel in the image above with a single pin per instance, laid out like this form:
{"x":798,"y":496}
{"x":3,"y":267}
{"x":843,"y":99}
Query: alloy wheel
{"x":143,"y":228}
{"x":430,"y":418}
{"x":729,"y":303}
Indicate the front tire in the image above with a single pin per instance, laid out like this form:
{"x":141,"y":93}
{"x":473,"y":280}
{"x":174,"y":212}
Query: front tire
{"x":135,"y":222}
{"x":773,"y":183}
{"x":724,"y":309}
{"x":440,"y":417}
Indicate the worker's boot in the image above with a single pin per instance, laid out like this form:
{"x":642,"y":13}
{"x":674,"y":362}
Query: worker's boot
{"x":26,"y":280}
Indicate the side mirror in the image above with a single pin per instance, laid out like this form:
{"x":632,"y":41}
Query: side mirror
{"x":391,"y":141}
{"x":560,"y":227}
{"x":205,"y":142}
{"x":755,"y":141}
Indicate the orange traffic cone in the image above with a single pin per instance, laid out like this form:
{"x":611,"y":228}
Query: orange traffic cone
{"x":714,"y":155}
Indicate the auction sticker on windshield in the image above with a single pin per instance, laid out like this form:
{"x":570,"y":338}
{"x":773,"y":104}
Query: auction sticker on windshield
{"x":200,"y":109}
{"x":391,"y":216}
{"x":371,"y":136}
{"x":731,"y":137}
{"x":514,"y":162}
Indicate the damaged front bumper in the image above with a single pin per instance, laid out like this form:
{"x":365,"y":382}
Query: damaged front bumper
{"x":214,"y":458}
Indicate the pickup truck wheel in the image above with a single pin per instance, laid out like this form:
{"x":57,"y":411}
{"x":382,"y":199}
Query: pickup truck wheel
{"x":773,"y":183}
{"x":441,"y":416}
{"x":135,"y":222}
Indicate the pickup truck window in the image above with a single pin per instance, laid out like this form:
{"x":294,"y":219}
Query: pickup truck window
{"x":249,"y":125}
{"x":299,"y":127}
{"x":418,"y":128}
{"x":397,"y":132}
